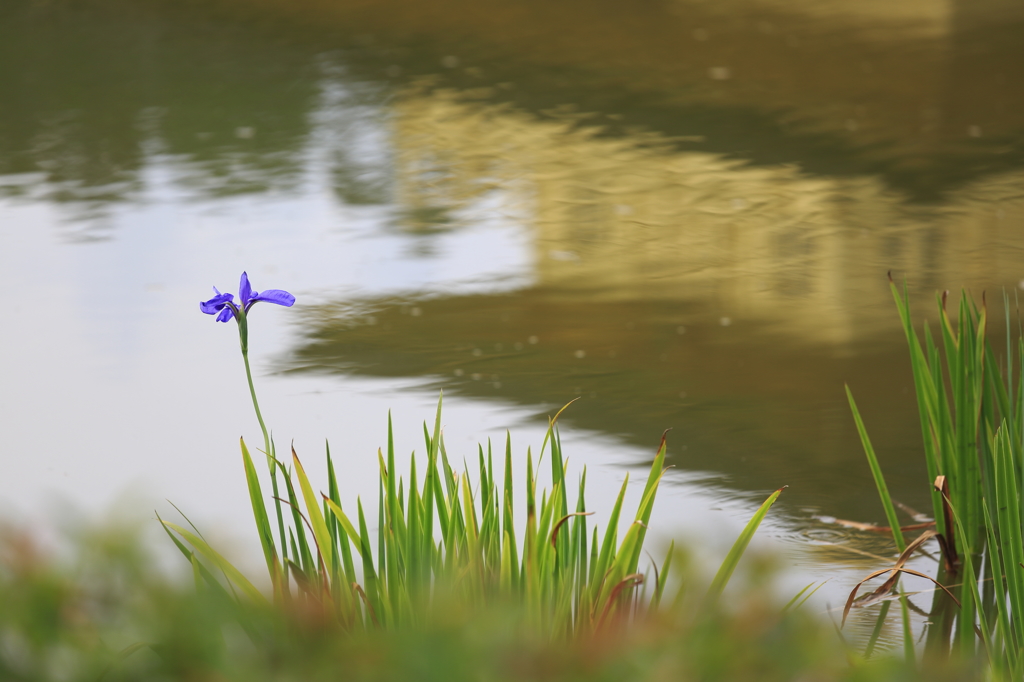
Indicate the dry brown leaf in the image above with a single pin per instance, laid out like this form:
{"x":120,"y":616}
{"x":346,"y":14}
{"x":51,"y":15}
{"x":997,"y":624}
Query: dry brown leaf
{"x":883,"y":590}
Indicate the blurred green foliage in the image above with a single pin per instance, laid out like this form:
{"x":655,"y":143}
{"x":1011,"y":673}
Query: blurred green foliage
{"x":109,"y":614}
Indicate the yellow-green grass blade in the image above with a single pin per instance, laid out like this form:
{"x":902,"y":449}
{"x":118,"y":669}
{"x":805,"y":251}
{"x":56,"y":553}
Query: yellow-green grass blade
{"x":413,"y":542}
{"x":876,"y":472}
{"x":646,"y":507}
{"x":346,"y":524}
{"x":210,"y":579}
{"x":233,"y":574}
{"x":604,"y":559}
{"x":333,"y":499}
{"x":332,"y":523}
{"x":451,"y":486}
{"x":508,"y":509}
{"x":443,"y":486}
{"x":657,"y":469}
{"x":431,"y":483}
{"x":796,"y":602}
{"x":621,"y":563}
{"x":302,"y":551}
{"x":551,"y":424}
{"x":732,"y":559}
{"x":271,"y":460}
{"x":579,"y":537}
{"x":316,"y":518}
{"x":558,"y":469}
{"x":120,"y":656}
{"x":529,"y":542}
{"x":662,"y":576}
{"x":396,"y":524}
{"x":474,"y":565}
{"x":387,"y":514}
{"x":373,"y":589}
{"x":385,"y":560}
{"x":259,"y":510}
{"x":544,"y":525}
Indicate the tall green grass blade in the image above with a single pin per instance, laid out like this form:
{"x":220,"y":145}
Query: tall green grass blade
{"x":732,"y":559}
{"x":302,"y":552}
{"x":316,"y":518}
{"x":876,"y":472}
{"x":342,"y":528}
{"x":271,"y":459}
{"x":604,"y":559}
{"x":508,"y":510}
{"x":909,"y":654}
{"x":1010,"y":541}
{"x":373,"y":589}
{"x":220,"y":562}
{"x":385,"y":561}
{"x":801,"y":597}
{"x":969,"y":597}
{"x":663,"y":576}
{"x":876,"y":632}
{"x":647,"y":504}
{"x":925,"y":383}
{"x":259,"y":510}
{"x":1008,"y":631}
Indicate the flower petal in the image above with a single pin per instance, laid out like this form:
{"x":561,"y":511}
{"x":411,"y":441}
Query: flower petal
{"x":245,"y":291}
{"x":216,"y":304}
{"x":278,"y":296}
{"x":225,"y":314}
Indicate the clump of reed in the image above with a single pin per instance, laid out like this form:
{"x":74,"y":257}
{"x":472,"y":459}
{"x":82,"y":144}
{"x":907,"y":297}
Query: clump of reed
{"x":971,"y":409}
{"x":441,"y":532}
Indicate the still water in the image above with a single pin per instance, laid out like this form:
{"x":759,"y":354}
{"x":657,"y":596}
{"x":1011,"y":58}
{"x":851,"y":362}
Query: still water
{"x":681,"y":213}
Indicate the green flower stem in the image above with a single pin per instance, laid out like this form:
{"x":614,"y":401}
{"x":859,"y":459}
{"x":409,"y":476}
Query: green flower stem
{"x":243,"y":336}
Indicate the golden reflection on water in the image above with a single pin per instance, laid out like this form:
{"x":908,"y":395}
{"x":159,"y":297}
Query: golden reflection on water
{"x":633,"y":218}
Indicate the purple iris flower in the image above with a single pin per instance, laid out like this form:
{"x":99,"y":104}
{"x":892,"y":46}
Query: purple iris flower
{"x":225,"y":308}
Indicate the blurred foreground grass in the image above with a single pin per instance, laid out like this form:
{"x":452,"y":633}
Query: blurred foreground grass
{"x":108,"y":613}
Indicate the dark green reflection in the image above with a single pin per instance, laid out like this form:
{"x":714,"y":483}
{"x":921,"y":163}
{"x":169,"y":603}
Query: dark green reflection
{"x":762,"y":412}
{"x":926,"y":96}
{"x":91,"y":89}
{"x":926,"y":99}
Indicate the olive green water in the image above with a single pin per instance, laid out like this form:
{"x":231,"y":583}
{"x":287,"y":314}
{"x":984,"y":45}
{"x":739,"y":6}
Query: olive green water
{"x":699,"y":201}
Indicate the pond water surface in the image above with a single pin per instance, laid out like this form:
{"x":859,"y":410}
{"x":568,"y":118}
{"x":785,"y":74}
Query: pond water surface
{"x":681,"y":213}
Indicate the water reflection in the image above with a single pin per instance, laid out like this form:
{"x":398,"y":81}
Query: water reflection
{"x":925,"y":95}
{"x":93,"y":92}
{"x":710,"y":193}
{"x":616,"y":220}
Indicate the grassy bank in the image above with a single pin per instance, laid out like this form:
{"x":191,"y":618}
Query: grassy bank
{"x":106,"y":614}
